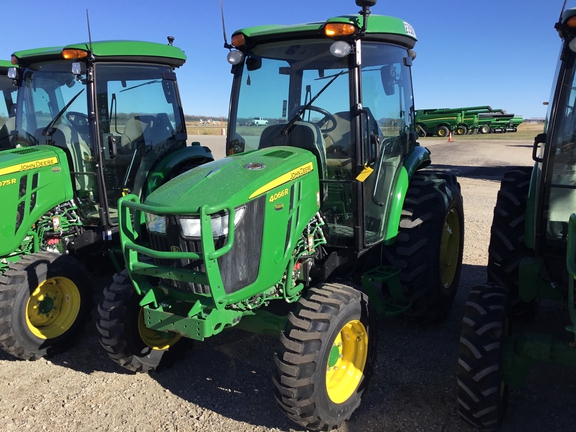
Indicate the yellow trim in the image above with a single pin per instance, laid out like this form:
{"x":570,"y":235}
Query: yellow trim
{"x":284,"y":178}
{"x":364,"y":174}
{"x":29,"y":165}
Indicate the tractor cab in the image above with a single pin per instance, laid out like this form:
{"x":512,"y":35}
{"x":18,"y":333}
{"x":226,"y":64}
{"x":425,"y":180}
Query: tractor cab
{"x":555,"y":180}
{"x":113,"y":107}
{"x":341,"y":89}
{"x":7,"y":105}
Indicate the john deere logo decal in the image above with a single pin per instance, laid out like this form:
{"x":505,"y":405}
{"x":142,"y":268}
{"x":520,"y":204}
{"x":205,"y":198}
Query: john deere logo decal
{"x":284,"y":178}
{"x":29,"y":165}
{"x":175,"y":249}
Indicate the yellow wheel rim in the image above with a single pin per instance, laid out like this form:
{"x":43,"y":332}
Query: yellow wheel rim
{"x":450,"y":248}
{"x":53,"y":307}
{"x":346,"y":361}
{"x":156,"y":340}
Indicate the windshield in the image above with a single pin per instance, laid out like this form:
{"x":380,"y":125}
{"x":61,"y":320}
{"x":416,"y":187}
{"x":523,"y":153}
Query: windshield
{"x":139,"y":121}
{"x":297,"y":93}
{"x":138,"y":116}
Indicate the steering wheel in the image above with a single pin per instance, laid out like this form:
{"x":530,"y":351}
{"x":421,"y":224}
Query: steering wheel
{"x":77,"y":119}
{"x":327,"y":117}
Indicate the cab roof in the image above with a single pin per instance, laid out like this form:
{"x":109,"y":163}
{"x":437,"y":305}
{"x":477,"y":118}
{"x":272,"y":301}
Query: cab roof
{"x":130,"y":51}
{"x":380,"y":27}
{"x":4,"y":65}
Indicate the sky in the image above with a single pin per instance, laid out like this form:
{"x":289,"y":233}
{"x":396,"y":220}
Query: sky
{"x":501,"y":53}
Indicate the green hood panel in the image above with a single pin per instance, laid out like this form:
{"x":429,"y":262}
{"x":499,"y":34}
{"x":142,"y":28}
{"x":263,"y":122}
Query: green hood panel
{"x":234,"y":180}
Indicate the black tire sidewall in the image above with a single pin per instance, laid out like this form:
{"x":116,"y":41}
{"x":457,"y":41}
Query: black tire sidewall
{"x":38,"y":271}
{"x":356,"y":310}
{"x":417,"y":250}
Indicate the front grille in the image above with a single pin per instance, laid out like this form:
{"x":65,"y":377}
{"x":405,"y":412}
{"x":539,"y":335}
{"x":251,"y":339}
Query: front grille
{"x":238,"y":268}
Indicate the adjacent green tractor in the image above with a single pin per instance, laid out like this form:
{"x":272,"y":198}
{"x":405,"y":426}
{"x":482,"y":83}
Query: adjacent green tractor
{"x":307,"y":226}
{"x":532,"y":256}
{"x":91,"y":122}
{"x":7,"y":105}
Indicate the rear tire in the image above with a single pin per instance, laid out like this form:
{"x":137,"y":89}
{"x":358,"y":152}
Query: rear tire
{"x":461,"y":130}
{"x":330,"y":334}
{"x":507,"y":249}
{"x":124,"y":335}
{"x":443,"y":131}
{"x":484,"y":129}
{"x":482,"y":395}
{"x":45,"y":302}
{"x":429,"y":246}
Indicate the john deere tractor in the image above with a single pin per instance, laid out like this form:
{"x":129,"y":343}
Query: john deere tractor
{"x":532,"y":256}
{"x":307,"y":225}
{"x":7,"y":104}
{"x":92,"y":122}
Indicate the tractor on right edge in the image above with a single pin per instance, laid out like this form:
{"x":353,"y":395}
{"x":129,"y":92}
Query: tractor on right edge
{"x":532,"y":256}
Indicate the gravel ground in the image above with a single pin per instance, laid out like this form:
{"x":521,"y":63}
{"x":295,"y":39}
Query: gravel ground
{"x":224,"y":383}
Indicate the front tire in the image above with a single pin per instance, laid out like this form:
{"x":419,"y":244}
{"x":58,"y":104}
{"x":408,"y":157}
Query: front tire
{"x":124,"y":335}
{"x":327,"y":354}
{"x":429,"y":245}
{"x":45,"y":302}
{"x":482,"y":395}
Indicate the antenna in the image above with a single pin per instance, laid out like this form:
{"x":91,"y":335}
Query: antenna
{"x":562,"y":11}
{"x":91,"y":55}
{"x":226,"y":44}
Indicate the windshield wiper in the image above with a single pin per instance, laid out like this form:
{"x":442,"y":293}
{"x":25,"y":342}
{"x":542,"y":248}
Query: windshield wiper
{"x":289,"y":125}
{"x":140,"y":85}
{"x":50,"y":125}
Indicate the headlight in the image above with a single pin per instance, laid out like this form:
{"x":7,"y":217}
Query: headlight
{"x":156,"y":223}
{"x":191,"y":226}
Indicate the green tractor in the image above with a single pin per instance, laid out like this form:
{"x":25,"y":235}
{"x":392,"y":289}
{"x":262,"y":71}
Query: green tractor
{"x":532,"y":256}
{"x":308,"y":226}
{"x":92,"y":122}
{"x":7,"y":105}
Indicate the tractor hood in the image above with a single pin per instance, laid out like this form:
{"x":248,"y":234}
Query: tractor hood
{"x":32,"y":181}
{"x":235,"y":180}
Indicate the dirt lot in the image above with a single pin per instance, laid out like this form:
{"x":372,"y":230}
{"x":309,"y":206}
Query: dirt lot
{"x":224,"y":384}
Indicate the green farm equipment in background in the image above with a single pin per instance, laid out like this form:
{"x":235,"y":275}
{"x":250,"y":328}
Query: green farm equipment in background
{"x":308,"y":224}
{"x":7,"y":105}
{"x":466,"y":120}
{"x":532,"y":256}
{"x":92,"y":122}
{"x":498,"y":122}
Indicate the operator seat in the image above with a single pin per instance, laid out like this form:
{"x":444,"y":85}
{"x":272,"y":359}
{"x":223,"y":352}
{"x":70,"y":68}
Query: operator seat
{"x":135,"y":133}
{"x":5,"y":133}
{"x":302,"y":134}
{"x":79,"y":153}
{"x":339,"y":140}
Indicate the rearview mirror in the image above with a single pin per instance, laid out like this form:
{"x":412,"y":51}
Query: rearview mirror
{"x":388,"y":75}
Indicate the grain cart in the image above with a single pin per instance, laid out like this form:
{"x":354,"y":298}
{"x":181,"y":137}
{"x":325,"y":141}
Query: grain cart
{"x":531,"y":257}
{"x":442,"y":121}
{"x":305,"y":226}
{"x":93,"y":122}
{"x":7,"y":104}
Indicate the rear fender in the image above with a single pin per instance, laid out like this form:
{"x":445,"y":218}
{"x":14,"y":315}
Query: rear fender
{"x":419,"y":158}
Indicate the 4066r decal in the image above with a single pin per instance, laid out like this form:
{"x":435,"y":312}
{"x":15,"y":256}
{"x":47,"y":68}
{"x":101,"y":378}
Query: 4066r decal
{"x":278,"y":195}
